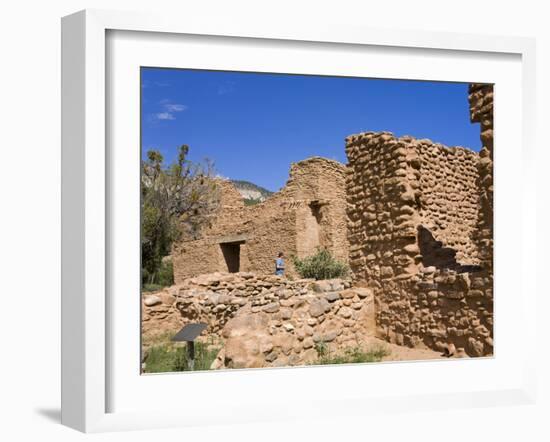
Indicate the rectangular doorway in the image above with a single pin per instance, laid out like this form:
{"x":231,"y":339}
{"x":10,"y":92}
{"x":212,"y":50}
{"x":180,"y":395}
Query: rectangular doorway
{"x":232,"y":255}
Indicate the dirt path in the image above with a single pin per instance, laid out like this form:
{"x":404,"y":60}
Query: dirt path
{"x":402,"y":353}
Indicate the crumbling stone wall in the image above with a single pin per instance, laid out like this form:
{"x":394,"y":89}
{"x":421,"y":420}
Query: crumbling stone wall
{"x":449,"y":198}
{"x":309,"y":212}
{"x":413,"y":216}
{"x":265,"y":320}
{"x":481,"y":111}
{"x":159,"y":316}
{"x":286,"y":332}
{"x":398,"y":185}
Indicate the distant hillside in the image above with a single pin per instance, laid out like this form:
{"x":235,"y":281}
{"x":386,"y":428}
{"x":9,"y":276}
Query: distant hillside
{"x":252,"y":193}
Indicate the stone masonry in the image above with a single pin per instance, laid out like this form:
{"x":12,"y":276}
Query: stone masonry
{"x":412,"y":218}
{"x":420,"y":235}
{"x":266,"y":320}
{"x":481,"y":111}
{"x":309,"y":212}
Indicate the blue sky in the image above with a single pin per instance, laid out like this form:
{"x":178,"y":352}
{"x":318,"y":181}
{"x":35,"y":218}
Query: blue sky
{"x":253,"y":125}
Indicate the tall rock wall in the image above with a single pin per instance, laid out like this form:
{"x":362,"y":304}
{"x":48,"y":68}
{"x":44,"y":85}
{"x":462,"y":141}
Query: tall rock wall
{"x":481,"y":111}
{"x":413,"y":213}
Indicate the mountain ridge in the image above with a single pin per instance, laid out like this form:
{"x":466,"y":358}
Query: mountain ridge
{"x":251,"y":193}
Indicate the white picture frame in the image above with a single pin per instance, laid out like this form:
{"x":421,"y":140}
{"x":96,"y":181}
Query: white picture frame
{"x":86,"y":315}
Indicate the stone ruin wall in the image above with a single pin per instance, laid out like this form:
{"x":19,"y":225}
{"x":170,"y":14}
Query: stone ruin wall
{"x":418,"y":239}
{"x":236,"y":222}
{"x":396,"y":185}
{"x":320,"y":182}
{"x":481,"y":111}
{"x":308,"y":212}
{"x":267,"y":320}
{"x":448,"y":201}
{"x":413,"y":216}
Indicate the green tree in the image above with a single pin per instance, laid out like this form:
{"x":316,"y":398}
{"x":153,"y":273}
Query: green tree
{"x":175,"y":201}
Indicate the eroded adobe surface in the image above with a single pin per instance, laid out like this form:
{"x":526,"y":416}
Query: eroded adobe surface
{"x":307,"y":213}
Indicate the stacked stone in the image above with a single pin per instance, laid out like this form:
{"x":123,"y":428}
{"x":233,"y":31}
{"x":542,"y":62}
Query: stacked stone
{"x":215,"y":298}
{"x":287,"y":332}
{"x":265,"y":320}
{"x":481,"y":111}
{"x":451,"y":310}
{"x":395,"y":185}
{"x":449,"y":202}
{"x":159,"y":314}
{"x":383,"y":205}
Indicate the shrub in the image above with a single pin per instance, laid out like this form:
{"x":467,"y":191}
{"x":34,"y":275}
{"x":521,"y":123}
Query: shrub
{"x":321,"y":348}
{"x":354,"y":355}
{"x":164,"y":277}
{"x":321,"y":265}
{"x":151,"y":288}
{"x":169,"y":357}
{"x":252,"y":201}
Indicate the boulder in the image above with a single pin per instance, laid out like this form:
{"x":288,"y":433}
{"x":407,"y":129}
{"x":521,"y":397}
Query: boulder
{"x":363,"y":292}
{"x":152,"y":300}
{"x":271,"y":308}
{"x":318,"y":307}
{"x":286,"y":313}
{"x":246,"y":336}
{"x":475,"y":347}
{"x":348,"y":294}
{"x":345,"y":312}
{"x":332,"y":296}
{"x":321,"y":286}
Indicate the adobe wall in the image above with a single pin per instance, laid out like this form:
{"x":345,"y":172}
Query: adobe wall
{"x":413,"y":209}
{"x":308,"y":212}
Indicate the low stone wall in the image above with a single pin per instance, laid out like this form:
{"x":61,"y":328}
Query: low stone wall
{"x":266,"y":320}
{"x":159,"y":315}
{"x":215,"y":298}
{"x":285,"y":332}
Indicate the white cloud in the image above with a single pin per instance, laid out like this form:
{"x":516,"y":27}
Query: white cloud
{"x":175,"y":107}
{"x":165,"y":116}
{"x":169,"y":109}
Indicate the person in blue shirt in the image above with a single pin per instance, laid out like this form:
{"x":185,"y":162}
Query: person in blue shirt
{"x":280,"y":264}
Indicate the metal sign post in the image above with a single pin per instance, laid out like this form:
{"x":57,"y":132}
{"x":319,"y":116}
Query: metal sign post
{"x":191,"y":355}
{"x":188,"y":334}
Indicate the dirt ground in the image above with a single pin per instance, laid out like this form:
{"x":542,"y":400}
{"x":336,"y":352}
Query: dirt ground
{"x":402,"y":353}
